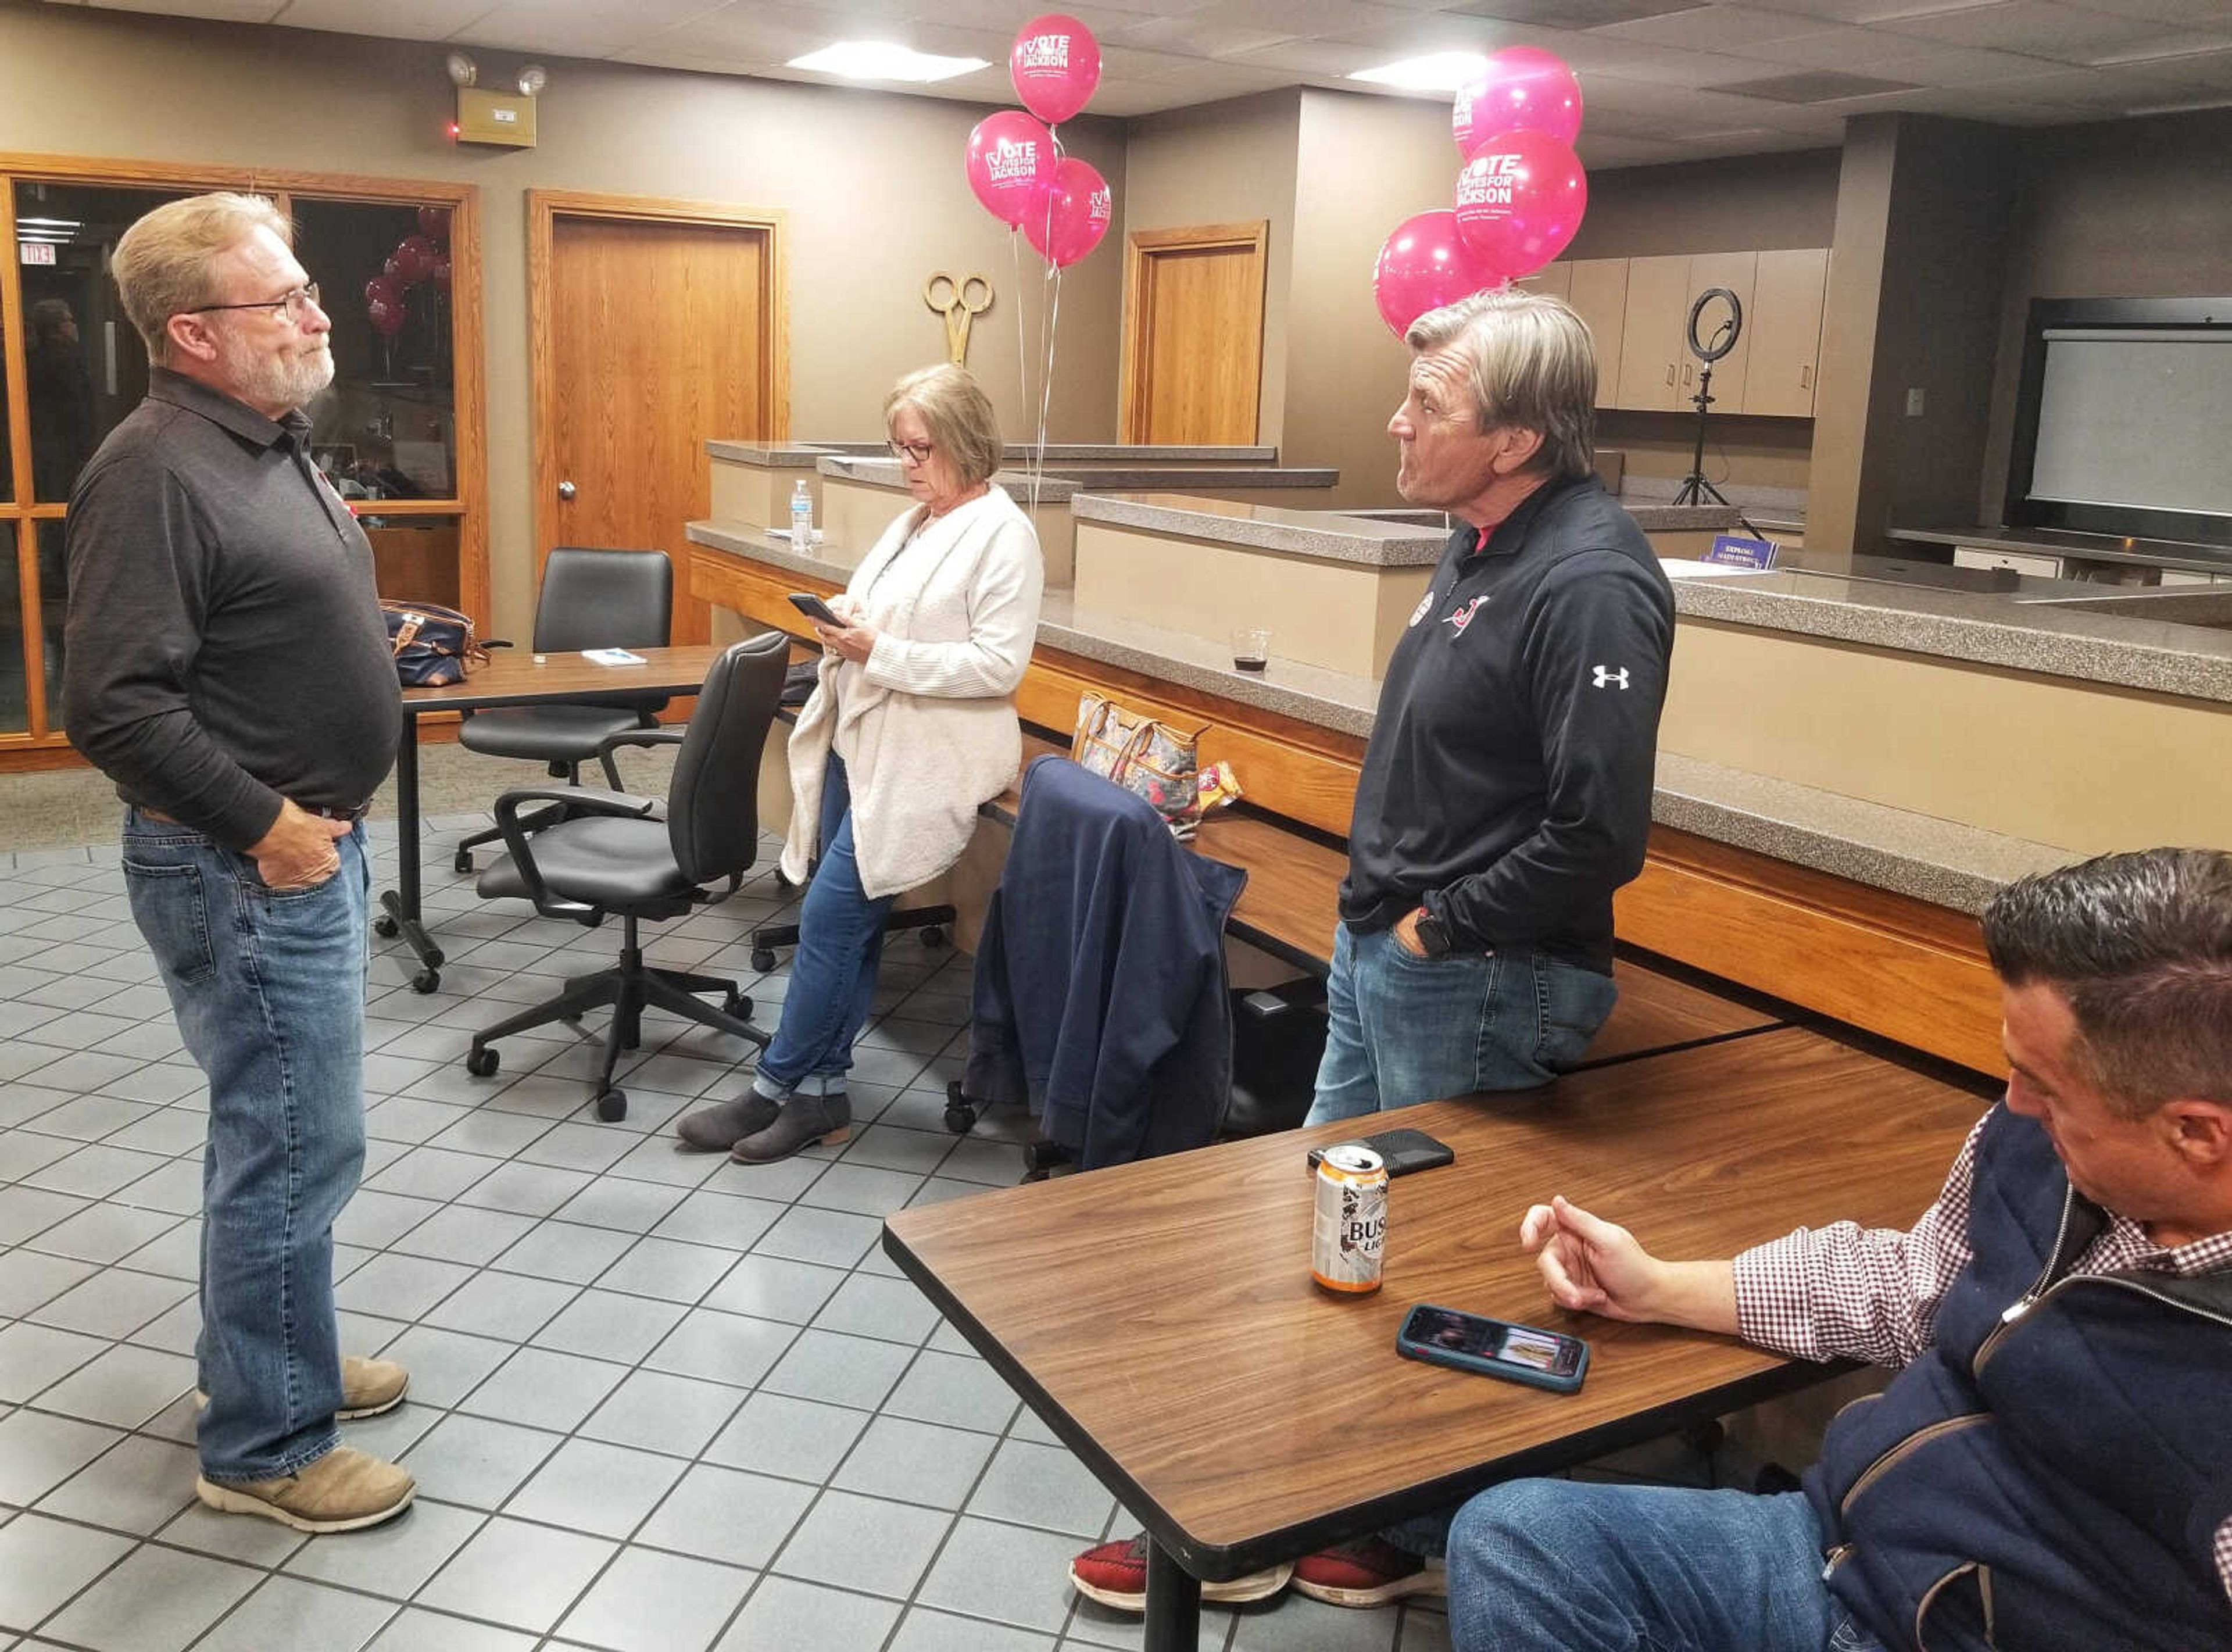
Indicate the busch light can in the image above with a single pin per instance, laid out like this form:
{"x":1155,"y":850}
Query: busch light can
{"x":1348,"y":1235}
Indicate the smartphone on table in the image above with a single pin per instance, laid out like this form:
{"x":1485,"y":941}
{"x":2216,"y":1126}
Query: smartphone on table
{"x":1470,"y":1342}
{"x":1401,"y":1150}
{"x":814,"y":608}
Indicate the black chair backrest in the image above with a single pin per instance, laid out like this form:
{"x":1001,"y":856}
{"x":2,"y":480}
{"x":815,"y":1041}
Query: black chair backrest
{"x":604,"y":599}
{"x":713,"y":804}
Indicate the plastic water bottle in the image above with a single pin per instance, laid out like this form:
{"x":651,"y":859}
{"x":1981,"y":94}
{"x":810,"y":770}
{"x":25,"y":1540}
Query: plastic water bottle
{"x":802,"y":519}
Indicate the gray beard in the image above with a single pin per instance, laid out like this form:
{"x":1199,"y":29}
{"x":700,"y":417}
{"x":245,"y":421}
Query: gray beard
{"x":278,"y":381}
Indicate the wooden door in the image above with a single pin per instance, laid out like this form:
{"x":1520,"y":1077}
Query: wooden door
{"x":1738,"y":271}
{"x":1598,"y":291}
{"x":656,"y":329}
{"x":1193,"y":335}
{"x":1649,"y":351}
{"x":1785,"y":332}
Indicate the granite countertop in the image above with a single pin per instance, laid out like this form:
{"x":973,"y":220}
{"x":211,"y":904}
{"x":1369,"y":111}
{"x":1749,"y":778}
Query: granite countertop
{"x":1934,"y":860}
{"x":885,"y":472}
{"x":1325,"y":534}
{"x":2042,"y":638}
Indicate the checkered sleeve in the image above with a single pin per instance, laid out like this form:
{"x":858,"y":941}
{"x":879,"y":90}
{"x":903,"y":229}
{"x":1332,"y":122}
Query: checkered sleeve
{"x":1847,"y":1291}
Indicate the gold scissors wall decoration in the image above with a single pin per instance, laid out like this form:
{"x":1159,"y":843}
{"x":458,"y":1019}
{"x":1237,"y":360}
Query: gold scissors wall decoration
{"x":958,"y":301}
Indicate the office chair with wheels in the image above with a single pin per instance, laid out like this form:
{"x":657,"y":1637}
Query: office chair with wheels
{"x":590,"y":598}
{"x":614,"y":854}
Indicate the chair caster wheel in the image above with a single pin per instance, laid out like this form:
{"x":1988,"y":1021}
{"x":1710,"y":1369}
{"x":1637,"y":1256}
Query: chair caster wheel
{"x":385,"y":927}
{"x":737,"y":1004}
{"x":932,"y":935}
{"x":960,"y":1112}
{"x":462,"y":863}
{"x":612,"y":1106}
{"x":481,"y":1062}
{"x":425,"y":981}
{"x":762,"y":959}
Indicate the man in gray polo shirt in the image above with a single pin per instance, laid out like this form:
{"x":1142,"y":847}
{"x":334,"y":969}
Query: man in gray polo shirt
{"x":228,"y":668}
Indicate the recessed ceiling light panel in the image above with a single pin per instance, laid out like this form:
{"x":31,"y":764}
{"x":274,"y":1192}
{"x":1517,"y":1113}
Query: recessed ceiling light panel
{"x":880,"y":60}
{"x":1436,"y":71}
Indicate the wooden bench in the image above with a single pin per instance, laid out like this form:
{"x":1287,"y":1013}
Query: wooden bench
{"x":1291,"y":905}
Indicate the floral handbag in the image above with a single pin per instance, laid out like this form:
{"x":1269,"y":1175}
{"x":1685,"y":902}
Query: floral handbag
{"x":1143,"y":756}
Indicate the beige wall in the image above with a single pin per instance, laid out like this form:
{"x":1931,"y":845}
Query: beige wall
{"x":1226,"y":163}
{"x":1745,"y":203}
{"x":1365,"y":163}
{"x":872,"y":183}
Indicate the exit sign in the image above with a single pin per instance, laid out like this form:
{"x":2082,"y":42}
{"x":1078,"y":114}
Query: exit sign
{"x":36,"y":252}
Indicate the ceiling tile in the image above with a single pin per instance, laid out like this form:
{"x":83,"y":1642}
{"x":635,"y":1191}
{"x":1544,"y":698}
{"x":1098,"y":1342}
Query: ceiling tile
{"x":1957,"y":65}
{"x":2196,"y":14}
{"x":2042,"y":28}
{"x":1861,"y":51}
{"x":1202,"y":34}
{"x":400,"y":19}
{"x":1713,"y":29}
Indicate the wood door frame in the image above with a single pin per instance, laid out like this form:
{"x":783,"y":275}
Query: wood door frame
{"x":45,"y":746}
{"x":544,"y":209}
{"x":1140,"y":246}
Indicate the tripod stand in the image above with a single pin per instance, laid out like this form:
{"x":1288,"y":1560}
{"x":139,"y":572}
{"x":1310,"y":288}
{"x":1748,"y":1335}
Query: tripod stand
{"x":1695,"y":488}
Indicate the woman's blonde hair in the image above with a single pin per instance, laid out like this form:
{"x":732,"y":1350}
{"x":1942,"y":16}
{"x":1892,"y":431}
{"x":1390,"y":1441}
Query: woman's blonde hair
{"x":963,"y":426}
{"x":162,"y":264}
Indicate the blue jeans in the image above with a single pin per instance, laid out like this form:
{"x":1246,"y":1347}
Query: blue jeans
{"x":833,"y":973}
{"x":1405,"y":1029}
{"x":269,"y":991}
{"x":1565,"y":1566}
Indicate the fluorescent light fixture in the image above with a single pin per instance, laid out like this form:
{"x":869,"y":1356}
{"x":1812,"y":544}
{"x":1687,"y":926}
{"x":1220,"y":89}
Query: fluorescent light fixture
{"x":1436,"y":71}
{"x":50,"y":224}
{"x":880,"y":60}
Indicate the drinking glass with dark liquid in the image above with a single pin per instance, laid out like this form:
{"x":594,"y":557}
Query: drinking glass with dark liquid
{"x":1251,"y":648}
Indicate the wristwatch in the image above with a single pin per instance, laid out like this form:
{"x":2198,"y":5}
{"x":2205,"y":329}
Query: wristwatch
{"x":1433,"y":939}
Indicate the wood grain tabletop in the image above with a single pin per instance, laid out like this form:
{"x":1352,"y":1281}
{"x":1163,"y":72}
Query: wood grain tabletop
{"x":1161,"y":1316}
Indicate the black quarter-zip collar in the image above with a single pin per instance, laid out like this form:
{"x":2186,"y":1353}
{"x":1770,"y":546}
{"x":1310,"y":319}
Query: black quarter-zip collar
{"x":1508,"y":535}
{"x":244,"y":421}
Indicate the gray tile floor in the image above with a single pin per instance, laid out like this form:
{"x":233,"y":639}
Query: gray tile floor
{"x":659,"y":1403}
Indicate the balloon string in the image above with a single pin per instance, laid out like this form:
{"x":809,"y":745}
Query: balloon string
{"x":1049,"y":315}
{"x":1046,"y":385}
{"x":1022,"y":353}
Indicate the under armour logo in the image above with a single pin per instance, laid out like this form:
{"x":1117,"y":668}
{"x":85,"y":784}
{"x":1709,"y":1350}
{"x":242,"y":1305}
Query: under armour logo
{"x":1459,"y":619}
{"x":1607,"y":677}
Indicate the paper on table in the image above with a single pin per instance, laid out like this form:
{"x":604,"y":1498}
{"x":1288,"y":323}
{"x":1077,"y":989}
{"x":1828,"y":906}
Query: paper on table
{"x":611,"y":657}
{"x":1678,"y":567}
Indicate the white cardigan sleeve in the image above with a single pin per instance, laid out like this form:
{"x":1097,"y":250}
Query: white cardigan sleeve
{"x":1003,"y":622}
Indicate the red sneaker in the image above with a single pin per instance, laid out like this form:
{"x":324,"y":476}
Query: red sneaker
{"x":1115,"y":1574}
{"x":1368,"y":1571}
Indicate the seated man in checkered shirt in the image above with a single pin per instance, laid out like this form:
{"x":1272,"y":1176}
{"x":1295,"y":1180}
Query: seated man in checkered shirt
{"x":2052,"y":1467}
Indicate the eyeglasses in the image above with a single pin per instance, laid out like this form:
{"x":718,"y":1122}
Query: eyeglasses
{"x":912,"y":452}
{"x":287,"y":305}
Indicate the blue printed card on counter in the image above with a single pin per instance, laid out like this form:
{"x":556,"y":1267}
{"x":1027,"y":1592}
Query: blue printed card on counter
{"x":1734,"y":550}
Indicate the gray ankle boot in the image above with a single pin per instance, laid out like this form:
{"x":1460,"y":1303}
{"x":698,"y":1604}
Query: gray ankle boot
{"x":804,"y":1121}
{"x":718,"y":1128}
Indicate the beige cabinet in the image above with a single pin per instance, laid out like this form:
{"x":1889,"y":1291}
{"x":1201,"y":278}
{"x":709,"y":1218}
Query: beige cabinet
{"x":1784,"y":329}
{"x":1597,"y":289}
{"x":1554,"y":280}
{"x":1650,"y":354}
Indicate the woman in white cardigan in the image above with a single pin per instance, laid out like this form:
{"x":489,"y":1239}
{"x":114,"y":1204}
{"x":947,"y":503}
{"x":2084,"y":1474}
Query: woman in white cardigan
{"x":912,"y":726}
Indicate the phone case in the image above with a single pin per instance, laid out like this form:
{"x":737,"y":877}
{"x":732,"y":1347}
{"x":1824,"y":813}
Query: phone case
{"x":1402,"y":1150}
{"x":1427,"y":1354}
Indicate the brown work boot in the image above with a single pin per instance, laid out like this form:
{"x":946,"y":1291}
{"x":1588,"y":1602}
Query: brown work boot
{"x":370,"y":1387}
{"x":343,"y":1490}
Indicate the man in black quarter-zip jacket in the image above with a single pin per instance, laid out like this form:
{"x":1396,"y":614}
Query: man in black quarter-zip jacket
{"x":2051,"y":1469}
{"x":1506,"y":792}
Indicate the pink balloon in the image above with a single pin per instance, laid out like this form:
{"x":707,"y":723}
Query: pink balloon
{"x":1422,"y":266}
{"x":414,"y":259}
{"x":1055,"y":64}
{"x":1072,"y":215}
{"x":434,"y":222}
{"x":1520,"y":200}
{"x":1010,"y":163}
{"x":1522,"y":89}
{"x":381,"y":290}
{"x":387,"y":318}
{"x":392,"y":269}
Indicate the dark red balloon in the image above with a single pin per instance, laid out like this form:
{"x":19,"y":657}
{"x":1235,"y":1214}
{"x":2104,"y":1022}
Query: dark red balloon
{"x":440,"y":274}
{"x":434,"y":222}
{"x":381,"y":289}
{"x":415,"y":258}
{"x":387,"y":318}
